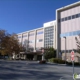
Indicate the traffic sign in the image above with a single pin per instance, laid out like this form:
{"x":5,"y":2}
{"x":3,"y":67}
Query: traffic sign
{"x":72,"y":59}
{"x":72,"y":55}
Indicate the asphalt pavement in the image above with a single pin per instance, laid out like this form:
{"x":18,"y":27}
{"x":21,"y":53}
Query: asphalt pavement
{"x":32,"y":70}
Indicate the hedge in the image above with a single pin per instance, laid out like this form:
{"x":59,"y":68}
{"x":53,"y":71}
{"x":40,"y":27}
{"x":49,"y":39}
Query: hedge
{"x":56,"y":60}
{"x":60,"y":61}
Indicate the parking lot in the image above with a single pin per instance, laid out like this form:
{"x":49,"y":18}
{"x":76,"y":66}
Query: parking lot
{"x":32,"y":70}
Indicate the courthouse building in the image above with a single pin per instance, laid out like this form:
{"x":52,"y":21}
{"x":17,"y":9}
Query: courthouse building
{"x":59,"y":34}
{"x":36,"y":39}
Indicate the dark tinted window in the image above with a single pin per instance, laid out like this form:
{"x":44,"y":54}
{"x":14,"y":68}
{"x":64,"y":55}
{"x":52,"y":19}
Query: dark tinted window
{"x":77,"y":15}
{"x":73,"y":16}
{"x":62,"y":19}
{"x":69,"y":17}
{"x":40,"y":40}
{"x":65,"y":18}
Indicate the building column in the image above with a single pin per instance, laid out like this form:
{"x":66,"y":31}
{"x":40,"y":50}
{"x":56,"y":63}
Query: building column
{"x":43,"y":56}
{"x":57,"y":35}
{"x":54,"y":37}
{"x":24,"y":56}
{"x":35,"y":57}
{"x":35,"y":42}
{"x":43,"y":37}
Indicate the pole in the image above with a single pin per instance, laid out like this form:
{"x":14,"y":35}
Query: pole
{"x":73,"y":69}
{"x":65,"y":50}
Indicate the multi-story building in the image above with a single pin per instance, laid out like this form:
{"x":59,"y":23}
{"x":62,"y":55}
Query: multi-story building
{"x":59,"y":34}
{"x":68,"y":27}
{"x":39,"y":38}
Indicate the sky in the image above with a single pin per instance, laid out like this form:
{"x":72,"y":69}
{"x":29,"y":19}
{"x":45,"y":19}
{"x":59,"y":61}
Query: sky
{"x":17,"y":16}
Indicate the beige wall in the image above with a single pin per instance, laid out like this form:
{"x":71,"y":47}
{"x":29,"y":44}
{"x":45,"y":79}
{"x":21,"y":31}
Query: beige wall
{"x":70,"y":43}
{"x":70,"y":25}
{"x":20,"y":38}
{"x":32,"y":38}
{"x":25,"y":36}
{"x":38,"y":37}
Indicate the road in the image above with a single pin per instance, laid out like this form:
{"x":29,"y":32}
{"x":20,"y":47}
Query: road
{"x":32,"y":70}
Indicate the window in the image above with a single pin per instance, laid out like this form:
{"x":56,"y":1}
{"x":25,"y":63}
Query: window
{"x":31,"y":34}
{"x":62,"y":19}
{"x":24,"y":35}
{"x":19,"y":36}
{"x":77,"y":15}
{"x":69,"y":17}
{"x":31,"y":41}
{"x":40,"y":32}
{"x":65,"y":18}
{"x":73,"y":16}
{"x":70,"y":33}
{"x":40,"y":40}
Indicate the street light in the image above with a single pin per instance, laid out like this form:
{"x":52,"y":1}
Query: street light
{"x":65,"y":49}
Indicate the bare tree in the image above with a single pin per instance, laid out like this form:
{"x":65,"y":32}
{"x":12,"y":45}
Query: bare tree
{"x":78,"y":43}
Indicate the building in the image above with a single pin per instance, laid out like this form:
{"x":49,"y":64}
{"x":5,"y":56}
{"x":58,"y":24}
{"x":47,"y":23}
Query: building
{"x":59,"y":34}
{"x":38,"y":38}
{"x":68,"y":27}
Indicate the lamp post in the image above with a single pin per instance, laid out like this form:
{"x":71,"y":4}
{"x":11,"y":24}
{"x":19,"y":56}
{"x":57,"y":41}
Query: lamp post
{"x":65,"y":49}
{"x":42,"y":54}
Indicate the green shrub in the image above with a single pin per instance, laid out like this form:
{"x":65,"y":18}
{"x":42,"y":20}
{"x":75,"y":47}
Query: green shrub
{"x":51,"y":60}
{"x":49,"y":53}
{"x":56,"y":60}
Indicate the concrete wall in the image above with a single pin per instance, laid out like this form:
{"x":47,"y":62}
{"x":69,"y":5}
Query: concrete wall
{"x":34,"y":39}
{"x":67,"y":27}
{"x":38,"y":37}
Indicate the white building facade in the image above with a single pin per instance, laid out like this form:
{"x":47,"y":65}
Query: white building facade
{"x":59,"y":34}
{"x":36,"y":39}
{"x":68,"y":27}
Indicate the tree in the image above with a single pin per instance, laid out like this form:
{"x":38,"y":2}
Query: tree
{"x":8,"y":43}
{"x":3,"y":35}
{"x":50,"y":53}
{"x":78,"y":43}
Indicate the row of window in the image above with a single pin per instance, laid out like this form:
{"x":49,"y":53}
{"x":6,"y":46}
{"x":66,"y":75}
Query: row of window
{"x":51,"y":32}
{"x":68,"y":51}
{"x":19,"y":36}
{"x":40,"y":32}
{"x":31,"y":34}
{"x":24,"y":35}
{"x":32,"y":41}
{"x":48,"y":41}
{"x":48,"y":35}
{"x":69,"y":17}
{"x":49,"y":28}
{"x":70,"y":34}
{"x":40,"y":40}
{"x":48,"y":46}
